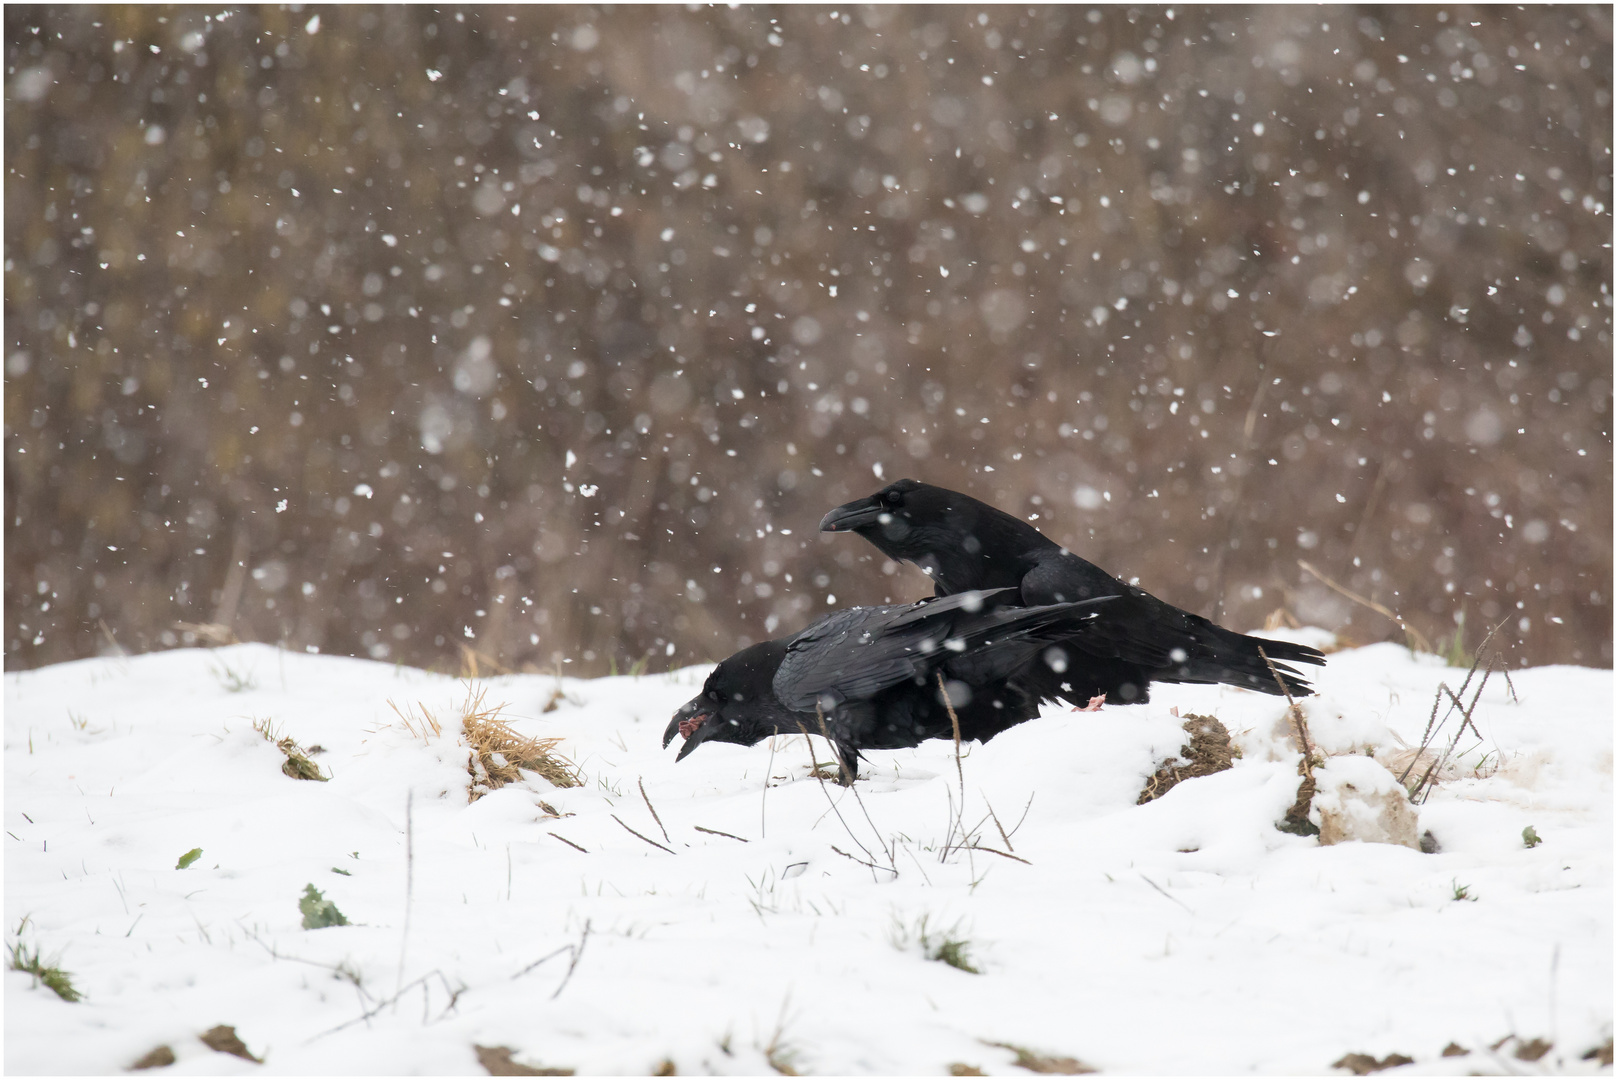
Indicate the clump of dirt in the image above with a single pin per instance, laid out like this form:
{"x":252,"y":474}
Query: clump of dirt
{"x":1364,"y":1064}
{"x":1296,"y":820}
{"x":1208,"y":751}
{"x":158,"y":1058}
{"x":498,"y":754}
{"x":1036,"y":1062}
{"x":297,"y":764}
{"x":224,"y":1039}
{"x":497,"y":1061}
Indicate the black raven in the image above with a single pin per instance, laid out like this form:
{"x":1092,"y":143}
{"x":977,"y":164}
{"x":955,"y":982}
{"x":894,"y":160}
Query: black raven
{"x":961,"y":543}
{"x":872,"y":675}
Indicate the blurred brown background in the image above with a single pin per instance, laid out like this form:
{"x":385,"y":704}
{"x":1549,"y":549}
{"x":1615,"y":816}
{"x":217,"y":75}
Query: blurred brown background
{"x":553,"y":331}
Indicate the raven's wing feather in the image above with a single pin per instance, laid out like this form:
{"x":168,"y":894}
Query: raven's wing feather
{"x":853,"y":655}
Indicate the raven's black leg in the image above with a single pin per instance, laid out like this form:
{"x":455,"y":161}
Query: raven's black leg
{"x":847,"y":762}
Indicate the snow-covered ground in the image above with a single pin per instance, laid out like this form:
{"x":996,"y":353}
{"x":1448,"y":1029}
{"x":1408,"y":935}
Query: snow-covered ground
{"x":1184,"y":935}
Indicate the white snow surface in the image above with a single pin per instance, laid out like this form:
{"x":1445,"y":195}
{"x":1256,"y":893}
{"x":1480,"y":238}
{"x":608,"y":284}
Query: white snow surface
{"x":1186,"y":935}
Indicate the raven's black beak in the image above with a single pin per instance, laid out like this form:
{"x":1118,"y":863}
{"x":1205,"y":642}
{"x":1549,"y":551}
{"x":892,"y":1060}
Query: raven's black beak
{"x":854,"y":515}
{"x":690,"y":721}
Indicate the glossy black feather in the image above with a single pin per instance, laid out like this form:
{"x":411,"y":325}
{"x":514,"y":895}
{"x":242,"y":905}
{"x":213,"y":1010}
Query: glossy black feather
{"x":963,"y":543}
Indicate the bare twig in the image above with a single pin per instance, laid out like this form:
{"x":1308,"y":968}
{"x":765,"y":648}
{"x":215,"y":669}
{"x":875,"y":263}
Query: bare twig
{"x":1002,"y":833}
{"x":1297,"y":819}
{"x":957,"y":821}
{"x":409,"y":882}
{"x":1025,"y":808}
{"x":578,"y":954}
{"x":891,"y":858}
{"x":453,"y":993}
{"x":543,"y":959}
{"x":716,"y":832}
{"x":1415,"y":635}
{"x":852,"y":778}
{"x":644,"y":837}
{"x":1434,"y":724}
{"x":863,"y":862}
{"x":653,"y":809}
{"x":825,"y":734}
{"x":1163,"y":891}
{"x":569,"y":843}
{"x":763,"y":796}
{"x":1292,"y":708}
{"x":993,"y":851}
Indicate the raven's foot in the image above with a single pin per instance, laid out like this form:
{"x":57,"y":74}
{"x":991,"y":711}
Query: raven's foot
{"x":1094,"y":704}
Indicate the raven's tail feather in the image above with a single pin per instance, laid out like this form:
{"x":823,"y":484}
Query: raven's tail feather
{"x":1235,"y":660}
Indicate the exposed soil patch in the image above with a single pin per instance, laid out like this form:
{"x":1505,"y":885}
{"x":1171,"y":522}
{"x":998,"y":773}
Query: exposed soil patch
{"x":1208,"y":751}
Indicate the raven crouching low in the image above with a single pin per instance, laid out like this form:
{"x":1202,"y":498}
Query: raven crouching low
{"x":961,"y":543}
{"x":886,"y":677}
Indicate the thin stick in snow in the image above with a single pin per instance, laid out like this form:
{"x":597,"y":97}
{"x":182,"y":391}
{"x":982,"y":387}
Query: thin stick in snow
{"x":834,"y":809}
{"x":578,"y":954}
{"x":763,"y":798}
{"x":569,"y":843}
{"x":1002,"y":854}
{"x":1163,"y":891}
{"x":1296,"y":713}
{"x":653,"y":809}
{"x":409,"y":883}
{"x":957,"y":822}
{"x":716,"y":832}
{"x":644,"y":837}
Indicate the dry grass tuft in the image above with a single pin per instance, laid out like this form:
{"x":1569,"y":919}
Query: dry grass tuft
{"x":498,"y":754}
{"x":425,"y":727}
{"x":1208,"y":751}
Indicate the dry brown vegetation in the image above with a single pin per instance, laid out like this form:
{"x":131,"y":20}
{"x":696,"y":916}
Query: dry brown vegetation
{"x":497,"y":754}
{"x":538,"y":328}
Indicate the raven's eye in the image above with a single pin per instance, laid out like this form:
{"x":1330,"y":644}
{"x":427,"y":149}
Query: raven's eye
{"x":891,"y":497}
